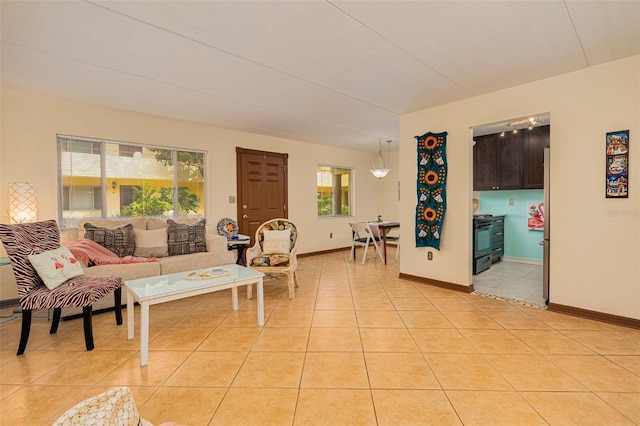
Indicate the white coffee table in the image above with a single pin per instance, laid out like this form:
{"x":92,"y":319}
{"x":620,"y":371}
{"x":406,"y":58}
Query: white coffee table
{"x":165,"y":288}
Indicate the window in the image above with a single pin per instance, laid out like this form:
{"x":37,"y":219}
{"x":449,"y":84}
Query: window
{"x":84,"y":198}
{"x":334,"y":191}
{"x":106,"y":179}
{"x":129,"y":150}
{"x":85,"y":147}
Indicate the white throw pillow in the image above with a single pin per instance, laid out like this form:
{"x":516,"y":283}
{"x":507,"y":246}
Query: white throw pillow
{"x":276,"y":242}
{"x":56,"y":266}
{"x":151,"y":243}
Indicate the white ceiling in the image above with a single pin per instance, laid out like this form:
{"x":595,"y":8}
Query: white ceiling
{"x":329,"y":72}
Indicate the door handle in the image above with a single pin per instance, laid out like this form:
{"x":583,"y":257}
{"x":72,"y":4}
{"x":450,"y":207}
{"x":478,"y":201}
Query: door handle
{"x":244,"y":216}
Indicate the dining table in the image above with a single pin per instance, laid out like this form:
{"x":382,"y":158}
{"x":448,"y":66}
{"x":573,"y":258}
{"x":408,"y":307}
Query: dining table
{"x":385,"y":227}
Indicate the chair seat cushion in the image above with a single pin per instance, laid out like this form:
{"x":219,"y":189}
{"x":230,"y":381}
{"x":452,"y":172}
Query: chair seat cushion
{"x":271,"y":260}
{"x":81,"y":291}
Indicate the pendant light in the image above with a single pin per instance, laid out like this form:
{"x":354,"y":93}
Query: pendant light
{"x":380,"y":170}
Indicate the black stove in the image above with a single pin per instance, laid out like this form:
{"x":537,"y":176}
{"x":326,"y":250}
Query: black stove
{"x":482,"y":224}
{"x":482,"y":219}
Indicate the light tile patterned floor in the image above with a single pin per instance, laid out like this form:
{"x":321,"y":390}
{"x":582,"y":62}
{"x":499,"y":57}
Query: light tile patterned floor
{"x":512,"y":280}
{"x":356,"y":346}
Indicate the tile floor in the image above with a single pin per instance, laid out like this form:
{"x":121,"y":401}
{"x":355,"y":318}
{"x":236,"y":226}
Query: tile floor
{"x":356,"y":346}
{"x":512,"y":280}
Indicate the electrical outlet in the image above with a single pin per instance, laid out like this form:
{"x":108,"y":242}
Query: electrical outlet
{"x":330,"y":234}
{"x":430,"y":255}
{"x":511,"y":201}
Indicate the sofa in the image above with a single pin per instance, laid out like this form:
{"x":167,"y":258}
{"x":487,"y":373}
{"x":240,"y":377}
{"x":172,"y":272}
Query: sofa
{"x":148,"y":257}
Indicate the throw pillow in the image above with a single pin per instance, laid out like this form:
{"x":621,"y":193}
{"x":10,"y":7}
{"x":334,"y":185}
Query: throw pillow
{"x":121,"y":241}
{"x":151,"y":243}
{"x":276,"y":242}
{"x":186,"y":239}
{"x":56,"y":266}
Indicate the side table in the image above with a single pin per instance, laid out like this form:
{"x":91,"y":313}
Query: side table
{"x":240,"y":244}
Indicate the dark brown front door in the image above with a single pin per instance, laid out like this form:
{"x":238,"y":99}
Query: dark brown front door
{"x":262,"y":188}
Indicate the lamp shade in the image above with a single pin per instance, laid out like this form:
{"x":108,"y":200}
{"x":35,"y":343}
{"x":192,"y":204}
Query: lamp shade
{"x":22,"y":202}
{"x":380,"y":170}
{"x":379,"y":173}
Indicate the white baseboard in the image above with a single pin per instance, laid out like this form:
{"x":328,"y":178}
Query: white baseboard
{"x":522,"y":260}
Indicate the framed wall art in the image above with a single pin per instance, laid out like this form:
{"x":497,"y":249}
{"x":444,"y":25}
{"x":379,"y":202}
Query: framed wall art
{"x":617,"y":185}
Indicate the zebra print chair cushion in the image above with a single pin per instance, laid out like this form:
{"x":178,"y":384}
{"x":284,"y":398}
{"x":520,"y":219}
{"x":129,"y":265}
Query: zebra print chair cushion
{"x":22,"y":240}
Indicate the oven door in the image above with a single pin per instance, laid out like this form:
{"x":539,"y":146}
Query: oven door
{"x":482,"y":239}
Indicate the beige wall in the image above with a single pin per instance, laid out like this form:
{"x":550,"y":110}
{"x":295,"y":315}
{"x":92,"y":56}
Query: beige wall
{"x":28,"y":153}
{"x":595,"y":242}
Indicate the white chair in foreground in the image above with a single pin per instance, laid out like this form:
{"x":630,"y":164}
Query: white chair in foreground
{"x":363,"y":234}
{"x":113,"y":407}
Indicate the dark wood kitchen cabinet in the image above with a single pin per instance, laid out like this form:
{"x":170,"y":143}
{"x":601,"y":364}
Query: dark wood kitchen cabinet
{"x":498,"y":162}
{"x":512,"y":161}
{"x":536,"y":140}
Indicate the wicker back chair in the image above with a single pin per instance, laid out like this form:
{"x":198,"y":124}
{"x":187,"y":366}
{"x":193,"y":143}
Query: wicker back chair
{"x":271,"y":255}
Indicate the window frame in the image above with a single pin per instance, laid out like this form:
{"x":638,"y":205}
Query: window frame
{"x":350,"y":190}
{"x":105,"y":182}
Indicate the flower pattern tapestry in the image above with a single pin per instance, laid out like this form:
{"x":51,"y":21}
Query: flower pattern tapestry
{"x":431,"y":189}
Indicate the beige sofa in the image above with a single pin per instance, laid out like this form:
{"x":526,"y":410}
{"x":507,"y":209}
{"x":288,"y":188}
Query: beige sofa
{"x":217,"y":254}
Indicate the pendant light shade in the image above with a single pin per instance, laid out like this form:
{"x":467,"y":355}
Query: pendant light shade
{"x":380,"y":170}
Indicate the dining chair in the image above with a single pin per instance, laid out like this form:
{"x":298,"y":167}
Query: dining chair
{"x":364,"y":233}
{"x":393,"y":239}
{"x":22,"y":241}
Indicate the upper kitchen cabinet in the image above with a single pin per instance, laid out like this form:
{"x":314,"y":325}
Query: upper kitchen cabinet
{"x":485,"y":162}
{"x":497,"y":162}
{"x":536,"y":140}
{"x":512,"y":161}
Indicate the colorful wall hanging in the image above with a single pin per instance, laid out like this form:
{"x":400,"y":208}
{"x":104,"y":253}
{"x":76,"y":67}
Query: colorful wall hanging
{"x":431,"y":189}
{"x":618,"y":164}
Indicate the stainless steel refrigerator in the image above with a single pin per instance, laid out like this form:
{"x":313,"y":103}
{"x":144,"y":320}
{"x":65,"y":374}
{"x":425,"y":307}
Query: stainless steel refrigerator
{"x":547,"y":217}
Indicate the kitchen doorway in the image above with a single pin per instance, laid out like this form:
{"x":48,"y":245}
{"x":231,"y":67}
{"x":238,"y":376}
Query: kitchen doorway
{"x":511,"y":186}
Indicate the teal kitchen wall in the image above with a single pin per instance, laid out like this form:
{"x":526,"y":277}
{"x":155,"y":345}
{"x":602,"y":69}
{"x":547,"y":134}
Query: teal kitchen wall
{"x":519,"y":241}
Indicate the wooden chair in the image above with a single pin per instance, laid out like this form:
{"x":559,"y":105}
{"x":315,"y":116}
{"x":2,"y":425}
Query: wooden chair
{"x":22,"y":240}
{"x":272,"y":255}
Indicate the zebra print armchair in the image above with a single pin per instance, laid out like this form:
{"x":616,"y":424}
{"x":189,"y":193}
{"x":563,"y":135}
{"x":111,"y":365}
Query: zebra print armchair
{"x":22,"y":240}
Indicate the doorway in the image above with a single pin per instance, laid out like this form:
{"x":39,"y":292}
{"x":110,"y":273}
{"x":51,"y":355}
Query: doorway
{"x":515,"y":194}
{"x":261,"y":187}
